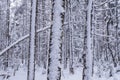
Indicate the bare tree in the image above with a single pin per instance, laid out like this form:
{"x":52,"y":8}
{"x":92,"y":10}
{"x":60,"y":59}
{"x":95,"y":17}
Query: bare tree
{"x":87,"y":70}
{"x":31,"y":60}
{"x":54,"y":63}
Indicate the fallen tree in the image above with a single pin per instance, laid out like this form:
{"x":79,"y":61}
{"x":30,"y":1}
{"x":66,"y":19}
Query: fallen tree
{"x":21,"y":39}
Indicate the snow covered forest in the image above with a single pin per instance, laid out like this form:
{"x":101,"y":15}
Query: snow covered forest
{"x":59,"y":39}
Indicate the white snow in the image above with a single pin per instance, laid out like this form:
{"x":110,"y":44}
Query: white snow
{"x":40,"y":74}
{"x":31,"y":58}
{"x":76,"y":76}
{"x":56,"y":41}
{"x":15,"y":3}
{"x":21,"y":74}
{"x":21,"y":39}
{"x":89,"y":54}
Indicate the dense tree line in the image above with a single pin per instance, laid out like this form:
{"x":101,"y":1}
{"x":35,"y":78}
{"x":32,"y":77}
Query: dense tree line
{"x":60,"y":34}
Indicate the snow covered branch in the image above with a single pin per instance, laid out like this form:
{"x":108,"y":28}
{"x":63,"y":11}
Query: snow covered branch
{"x":21,"y":39}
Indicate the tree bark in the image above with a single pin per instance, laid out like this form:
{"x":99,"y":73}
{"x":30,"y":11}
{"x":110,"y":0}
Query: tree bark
{"x":54,"y":62}
{"x":87,"y":57}
{"x":31,"y":58}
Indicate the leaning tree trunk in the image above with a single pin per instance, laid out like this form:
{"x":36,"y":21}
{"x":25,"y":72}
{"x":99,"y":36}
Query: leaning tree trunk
{"x":54,"y":63}
{"x":31,"y":58}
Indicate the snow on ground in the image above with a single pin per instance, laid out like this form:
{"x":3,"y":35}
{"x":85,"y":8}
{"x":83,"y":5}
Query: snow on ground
{"x":40,"y":74}
{"x":114,"y":77}
{"x":76,"y":76}
{"x":21,"y":74}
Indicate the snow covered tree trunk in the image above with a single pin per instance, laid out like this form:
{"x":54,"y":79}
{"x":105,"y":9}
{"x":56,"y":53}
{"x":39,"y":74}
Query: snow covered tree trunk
{"x":7,"y":31}
{"x":70,"y":27}
{"x":87,"y":70}
{"x":54,"y":63}
{"x":31,"y":60}
{"x":117,"y":23}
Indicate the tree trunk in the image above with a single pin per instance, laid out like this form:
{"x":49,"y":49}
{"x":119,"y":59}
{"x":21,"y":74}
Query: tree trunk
{"x":54,"y":63}
{"x":31,"y":60}
{"x":7,"y":32}
{"x":87,"y":70}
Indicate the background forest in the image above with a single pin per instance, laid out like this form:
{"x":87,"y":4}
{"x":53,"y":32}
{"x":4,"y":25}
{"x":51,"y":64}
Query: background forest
{"x":59,"y":39}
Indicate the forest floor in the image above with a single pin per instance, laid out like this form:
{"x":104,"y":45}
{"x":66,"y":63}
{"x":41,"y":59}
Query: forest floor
{"x":21,"y":74}
{"x":41,"y":74}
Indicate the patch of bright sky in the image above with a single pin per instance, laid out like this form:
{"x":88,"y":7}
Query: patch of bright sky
{"x":15,"y":3}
